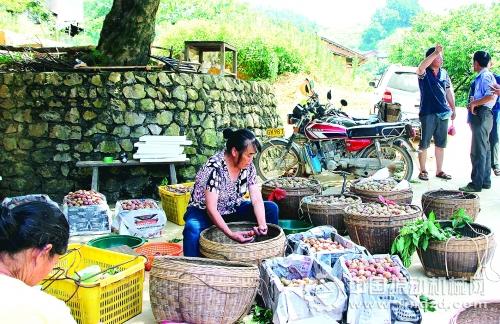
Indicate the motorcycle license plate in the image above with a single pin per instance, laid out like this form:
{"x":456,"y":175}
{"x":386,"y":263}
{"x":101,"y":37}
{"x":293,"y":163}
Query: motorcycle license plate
{"x":275,"y":132}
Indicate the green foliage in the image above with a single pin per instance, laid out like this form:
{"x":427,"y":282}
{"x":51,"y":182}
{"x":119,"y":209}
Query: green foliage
{"x":268,"y":44}
{"x":417,"y":234}
{"x":462,"y":32}
{"x":94,"y":12}
{"x":258,"y":60}
{"x":395,"y":14}
{"x":164,"y":181}
{"x":429,"y":305}
{"x":287,"y":61}
{"x":261,"y":315}
{"x":95,"y":58}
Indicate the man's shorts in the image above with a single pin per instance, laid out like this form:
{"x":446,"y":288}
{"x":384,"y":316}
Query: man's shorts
{"x":433,"y":126}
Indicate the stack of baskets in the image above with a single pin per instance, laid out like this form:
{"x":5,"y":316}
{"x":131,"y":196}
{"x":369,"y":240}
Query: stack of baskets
{"x":445,"y":202}
{"x":195,"y":290}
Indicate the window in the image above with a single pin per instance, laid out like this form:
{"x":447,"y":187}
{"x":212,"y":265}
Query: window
{"x":404,"y":81}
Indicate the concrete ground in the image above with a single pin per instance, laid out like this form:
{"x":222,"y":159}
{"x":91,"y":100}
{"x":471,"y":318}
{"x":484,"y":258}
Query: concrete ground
{"x":450,"y":295}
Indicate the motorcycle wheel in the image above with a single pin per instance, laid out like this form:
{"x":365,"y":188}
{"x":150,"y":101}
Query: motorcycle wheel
{"x":274,"y":161}
{"x":394,"y":153}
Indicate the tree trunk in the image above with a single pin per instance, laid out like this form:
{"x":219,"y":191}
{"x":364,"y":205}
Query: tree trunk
{"x":128,"y":31}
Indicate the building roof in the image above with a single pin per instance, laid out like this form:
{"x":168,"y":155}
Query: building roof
{"x":341,"y":50}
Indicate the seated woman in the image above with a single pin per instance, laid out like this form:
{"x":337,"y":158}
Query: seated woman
{"x":32,"y":237}
{"x":217,"y":196}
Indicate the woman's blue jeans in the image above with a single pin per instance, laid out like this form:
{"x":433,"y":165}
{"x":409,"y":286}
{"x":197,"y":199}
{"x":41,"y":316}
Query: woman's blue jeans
{"x":197,"y":220}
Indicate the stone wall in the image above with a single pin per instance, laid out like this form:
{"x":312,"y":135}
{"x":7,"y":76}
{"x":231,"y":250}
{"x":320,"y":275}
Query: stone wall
{"x":48,"y":121}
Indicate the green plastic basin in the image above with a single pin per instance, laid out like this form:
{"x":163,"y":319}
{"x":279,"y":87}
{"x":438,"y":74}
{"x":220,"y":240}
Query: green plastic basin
{"x":110,"y":241}
{"x":292,"y":226}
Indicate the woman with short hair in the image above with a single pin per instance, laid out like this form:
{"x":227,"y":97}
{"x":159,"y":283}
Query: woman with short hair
{"x":32,"y":237}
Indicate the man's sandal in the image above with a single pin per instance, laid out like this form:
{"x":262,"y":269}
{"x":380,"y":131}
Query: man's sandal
{"x":423,"y":175}
{"x":443,"y":175}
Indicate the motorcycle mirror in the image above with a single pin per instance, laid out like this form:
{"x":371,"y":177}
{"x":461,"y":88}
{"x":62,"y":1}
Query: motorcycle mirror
{"x":343,"y":102}
{"x":329,"y":95}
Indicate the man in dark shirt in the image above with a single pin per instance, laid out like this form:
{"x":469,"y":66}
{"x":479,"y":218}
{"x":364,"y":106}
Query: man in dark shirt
{"x":437,"y":105}
{"x":481,"y":123}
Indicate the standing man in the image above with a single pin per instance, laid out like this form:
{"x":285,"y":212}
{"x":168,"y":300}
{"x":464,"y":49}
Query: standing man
{"x":480,"y":107}
{"x":437,"y":105}
{"x":494,"y":135}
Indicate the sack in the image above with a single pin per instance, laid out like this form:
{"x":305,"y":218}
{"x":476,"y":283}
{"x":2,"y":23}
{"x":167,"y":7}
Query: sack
{"x":375,"y":301}
{"x":88,"y":219}
{"x":389,"y":112}
{"x":18,"y":200}
{"x":144,"y":222}
{"x":290,"y":304}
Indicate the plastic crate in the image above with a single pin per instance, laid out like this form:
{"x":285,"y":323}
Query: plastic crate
{"x":111,"y":300}
{"x":175,"y":204}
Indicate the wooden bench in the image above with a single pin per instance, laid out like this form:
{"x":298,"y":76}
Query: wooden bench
{"x":95,"y":165}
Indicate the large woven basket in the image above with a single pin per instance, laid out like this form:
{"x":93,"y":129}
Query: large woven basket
{"x":327,"y":214}
{"x":459,"y":258}
{"x":400,"y":197}
{"x":445,"y":202}
{"x":376,"y":234}
{"x":289,"y":206}
{"x":196,"y":290}
{"x":482,"y":312}
{"x":214,"y":244}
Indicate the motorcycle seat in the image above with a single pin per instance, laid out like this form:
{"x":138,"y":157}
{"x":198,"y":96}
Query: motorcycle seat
{"x":380,"y":130}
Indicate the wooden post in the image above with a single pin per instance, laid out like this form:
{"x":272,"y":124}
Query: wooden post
{"x":95,"y":178}
{"x":223,"y":61}
{"x":173,"y":175}
{"x":235,"y":64}
{"x":186,"y":53}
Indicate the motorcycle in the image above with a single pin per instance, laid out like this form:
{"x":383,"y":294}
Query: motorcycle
{"x":325,"y":138}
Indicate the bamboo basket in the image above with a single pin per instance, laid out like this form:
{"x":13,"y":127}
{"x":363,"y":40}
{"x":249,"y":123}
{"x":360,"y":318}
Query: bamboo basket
{"x":376,"y":234}
{"x":459,"y":258}
{"x":196,"y":290}
{"x":445,"y":202}
{"x":400,"y":197}
{"x":483,"y":312}
{"x":214,"y":244}
{"x":289,"y":206}
{"x":327,"y":214}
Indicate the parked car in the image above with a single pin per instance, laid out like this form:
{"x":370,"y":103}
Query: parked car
{"x":399,"y":84}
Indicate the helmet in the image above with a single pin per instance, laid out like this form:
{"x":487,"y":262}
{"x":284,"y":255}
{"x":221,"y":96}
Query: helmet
{"x":306,"y":88}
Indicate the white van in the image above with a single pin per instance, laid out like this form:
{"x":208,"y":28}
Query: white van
{"x":399,"y":84}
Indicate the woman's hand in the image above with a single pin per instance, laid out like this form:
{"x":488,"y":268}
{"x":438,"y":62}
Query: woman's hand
{"x":260,"y":230}
{"x":241,"y":237}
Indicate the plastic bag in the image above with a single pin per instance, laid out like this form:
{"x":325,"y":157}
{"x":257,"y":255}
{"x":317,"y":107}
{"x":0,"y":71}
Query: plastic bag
{"x":291,"y":304}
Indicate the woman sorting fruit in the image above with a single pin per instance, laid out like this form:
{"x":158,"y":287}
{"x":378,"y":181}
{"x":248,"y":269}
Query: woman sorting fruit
{"x":32,"y":237}
{"x":219,"y":190}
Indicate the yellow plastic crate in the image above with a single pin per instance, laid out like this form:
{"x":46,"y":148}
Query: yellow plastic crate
{"x":111,"y":300}
{"x":175,"y":204}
